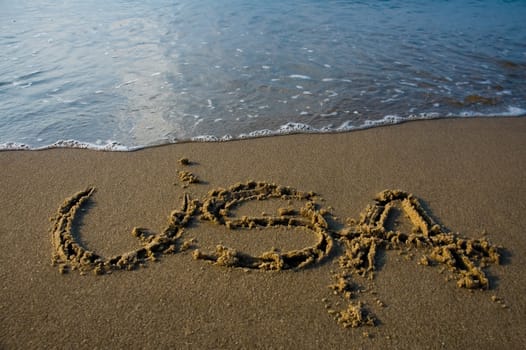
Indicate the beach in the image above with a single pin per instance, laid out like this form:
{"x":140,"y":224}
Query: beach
{"x":468,"y":175}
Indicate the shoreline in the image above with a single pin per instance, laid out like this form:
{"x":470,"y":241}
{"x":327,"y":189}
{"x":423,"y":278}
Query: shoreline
{"x":303,"y":129}
{"x":467,"y":173}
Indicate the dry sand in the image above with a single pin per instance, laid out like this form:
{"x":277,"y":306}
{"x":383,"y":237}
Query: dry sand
{"x":467,"y":175}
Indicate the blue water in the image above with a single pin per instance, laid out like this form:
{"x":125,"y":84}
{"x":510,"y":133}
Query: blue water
{"x":126,"y":74}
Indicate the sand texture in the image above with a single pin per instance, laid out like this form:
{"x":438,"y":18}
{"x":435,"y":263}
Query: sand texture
{"x":409,"y":236}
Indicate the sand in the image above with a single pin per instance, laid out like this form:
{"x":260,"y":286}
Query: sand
{"x":272,"y":242}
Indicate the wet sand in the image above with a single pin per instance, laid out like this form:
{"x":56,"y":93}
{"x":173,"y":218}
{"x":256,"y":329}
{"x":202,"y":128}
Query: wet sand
{"x":272,"y":242}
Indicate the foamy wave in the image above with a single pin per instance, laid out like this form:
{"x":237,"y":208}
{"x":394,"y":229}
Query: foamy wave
{"x":288,"y":128}
{"x":111,"y":146}
{"x":211,"y":138}
{"x":108,"y":146}
{"x":296,"y":127}
{"x":13,"y":146}
{"x":300,"y":128}
{"x":511,"y":112}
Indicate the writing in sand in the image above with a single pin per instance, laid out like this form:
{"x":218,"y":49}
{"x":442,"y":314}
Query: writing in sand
{"x":359,"y":240}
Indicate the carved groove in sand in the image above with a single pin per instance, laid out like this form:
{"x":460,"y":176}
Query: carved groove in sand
{"x":216,"y":209}
{"x":69,"y":254}
{"x":463,"y":258}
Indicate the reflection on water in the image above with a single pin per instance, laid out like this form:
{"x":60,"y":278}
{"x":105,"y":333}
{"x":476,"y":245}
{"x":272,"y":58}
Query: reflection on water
{"x":160,"y":71}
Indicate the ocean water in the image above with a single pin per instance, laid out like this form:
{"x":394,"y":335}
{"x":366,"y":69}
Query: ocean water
{"x":121,"y":75}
